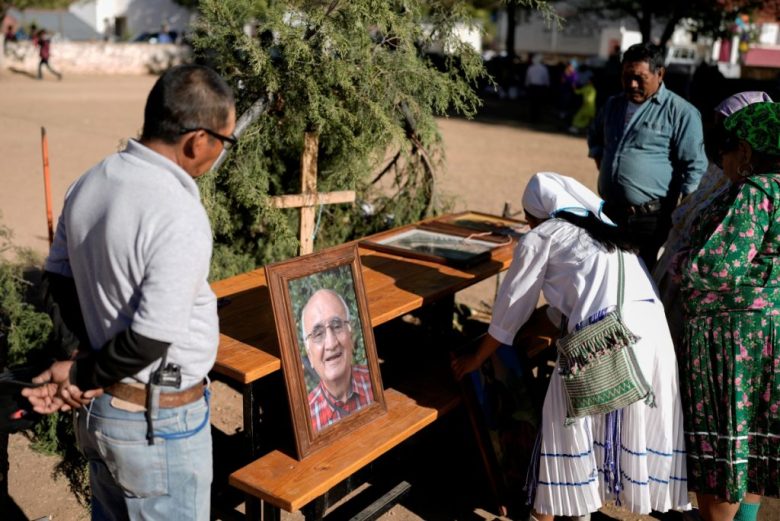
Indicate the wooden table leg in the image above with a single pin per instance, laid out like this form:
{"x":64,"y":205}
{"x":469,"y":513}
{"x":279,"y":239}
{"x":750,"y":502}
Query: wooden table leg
{"x":252,"y":413}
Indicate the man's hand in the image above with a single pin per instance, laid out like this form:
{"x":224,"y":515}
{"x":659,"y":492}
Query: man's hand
{"x":44,"y":399}
{"x":57,"y":392}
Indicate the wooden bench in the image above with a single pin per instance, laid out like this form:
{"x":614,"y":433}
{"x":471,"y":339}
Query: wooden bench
{"x":249,"y":352}
{"x":288,"y":484}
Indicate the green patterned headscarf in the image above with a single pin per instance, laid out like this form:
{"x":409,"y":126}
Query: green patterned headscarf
{"x":759,"y":125}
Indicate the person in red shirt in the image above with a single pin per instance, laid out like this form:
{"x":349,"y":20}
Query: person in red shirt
{"x":44,"y":51}
{"x":344,"y":387}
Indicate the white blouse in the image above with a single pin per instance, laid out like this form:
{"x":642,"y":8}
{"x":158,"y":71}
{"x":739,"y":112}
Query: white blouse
{"x":577,"y":276}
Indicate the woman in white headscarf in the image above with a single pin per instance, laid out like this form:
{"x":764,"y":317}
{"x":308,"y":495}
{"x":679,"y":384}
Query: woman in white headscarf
{"x":635,"y":455}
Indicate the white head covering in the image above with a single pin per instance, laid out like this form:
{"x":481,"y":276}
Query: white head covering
{"x":548,"y":193}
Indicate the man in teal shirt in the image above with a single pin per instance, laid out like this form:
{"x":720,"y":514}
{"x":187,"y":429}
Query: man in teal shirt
{"x":648,"y":144}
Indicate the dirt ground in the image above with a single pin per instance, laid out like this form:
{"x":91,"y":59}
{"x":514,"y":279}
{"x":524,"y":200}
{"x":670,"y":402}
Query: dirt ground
{"x":488,"y":164}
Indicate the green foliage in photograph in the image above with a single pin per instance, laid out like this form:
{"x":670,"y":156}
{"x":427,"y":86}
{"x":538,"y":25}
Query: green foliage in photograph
{"x":360,"y":76}
{"x":340,"y":280}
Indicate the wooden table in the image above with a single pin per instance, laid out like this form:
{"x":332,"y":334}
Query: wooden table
{"x":249,"y":348}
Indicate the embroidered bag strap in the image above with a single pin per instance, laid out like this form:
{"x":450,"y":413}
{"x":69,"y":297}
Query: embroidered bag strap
{"x":621,"y":288}
{"x":621,"y":295}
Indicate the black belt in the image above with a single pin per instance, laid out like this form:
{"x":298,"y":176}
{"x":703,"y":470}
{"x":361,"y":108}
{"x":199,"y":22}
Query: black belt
{"x":645,"y":208}
{"x":622,"y":211}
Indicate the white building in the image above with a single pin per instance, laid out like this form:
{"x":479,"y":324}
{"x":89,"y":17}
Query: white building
{"x":126,"y":18}
{"x":119,"y":19}
{"x":580,"y":35}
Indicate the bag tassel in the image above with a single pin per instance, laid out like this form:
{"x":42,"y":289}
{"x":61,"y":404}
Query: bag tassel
{"x":613,"y":338}
{"x":612,"y":448}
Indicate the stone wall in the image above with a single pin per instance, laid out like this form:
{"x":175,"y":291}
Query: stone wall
{"x":98,"y":57}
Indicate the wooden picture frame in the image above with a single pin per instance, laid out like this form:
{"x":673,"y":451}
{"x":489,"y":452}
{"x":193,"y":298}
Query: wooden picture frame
{"x":336,"y":350}
{"x":483,"y":222}
{"x":442,"y":244}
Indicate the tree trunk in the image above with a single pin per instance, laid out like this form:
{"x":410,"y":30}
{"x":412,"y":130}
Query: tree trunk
{"x":511,"y":24}
{"x":646,"y":26}
{"x":668,"y":31}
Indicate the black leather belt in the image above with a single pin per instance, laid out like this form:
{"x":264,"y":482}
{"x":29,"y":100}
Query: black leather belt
{"x":623,"y":211}
{"x":644,"y":208}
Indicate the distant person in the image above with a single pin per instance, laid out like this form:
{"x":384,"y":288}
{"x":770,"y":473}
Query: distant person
{"x":44,"y":52}
{"x":8,"y":38}
{"x":648,"y":145}
{"x":708,"y":87}
{"x":567,"y":99}
{"x":327,"y":333}
{"x":108,"y":30}
{"x":164,"y":36}
{"x":609,"y":83}
{"x":587,"y":111}
{"x":537,"y":83}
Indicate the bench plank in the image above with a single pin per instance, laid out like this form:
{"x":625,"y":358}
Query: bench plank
{"x":290,"y":484}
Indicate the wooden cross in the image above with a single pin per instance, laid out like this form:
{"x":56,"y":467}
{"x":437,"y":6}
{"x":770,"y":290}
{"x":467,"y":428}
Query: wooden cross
{"x":309,"y":199}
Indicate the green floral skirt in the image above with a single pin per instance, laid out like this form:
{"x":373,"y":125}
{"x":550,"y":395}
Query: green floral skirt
{"x":730,"y":384}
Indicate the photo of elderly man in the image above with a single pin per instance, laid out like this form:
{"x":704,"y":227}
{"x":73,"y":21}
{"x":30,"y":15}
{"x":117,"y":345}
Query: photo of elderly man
{"x":328,"y":333}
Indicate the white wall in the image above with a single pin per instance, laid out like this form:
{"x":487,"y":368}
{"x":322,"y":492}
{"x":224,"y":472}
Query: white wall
{"x":100,"y":57}
{"x":770,"y":34}
{"x":86,"y":11}
{"x":533,"y":35}
{"x":142,"y":15}
{"x":149,"y":15}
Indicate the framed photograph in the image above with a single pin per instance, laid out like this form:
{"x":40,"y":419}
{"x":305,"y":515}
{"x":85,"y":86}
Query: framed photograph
{"x":447,"y":246}
{"x":483,"y":222}
{"x":329,"y":359}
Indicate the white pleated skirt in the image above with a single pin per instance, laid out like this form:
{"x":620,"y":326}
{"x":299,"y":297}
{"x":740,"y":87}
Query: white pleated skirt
{"x":652,"y":455}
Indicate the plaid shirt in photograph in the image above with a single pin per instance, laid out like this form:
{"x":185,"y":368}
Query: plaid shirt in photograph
{"x":326,"y":410}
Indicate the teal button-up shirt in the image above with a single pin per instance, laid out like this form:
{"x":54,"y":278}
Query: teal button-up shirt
{"x":659,"y":153}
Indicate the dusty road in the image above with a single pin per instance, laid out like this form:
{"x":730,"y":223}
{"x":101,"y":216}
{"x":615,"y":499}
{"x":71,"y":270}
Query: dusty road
{"x":86,"y":118}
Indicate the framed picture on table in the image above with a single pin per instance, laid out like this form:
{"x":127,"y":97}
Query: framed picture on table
{"x":329,"y":359}
{"x":443,"y":244}
{"x":486,"y":223}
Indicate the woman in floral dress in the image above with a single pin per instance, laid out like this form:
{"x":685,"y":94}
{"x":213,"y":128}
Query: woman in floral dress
{"x":730,"y":365}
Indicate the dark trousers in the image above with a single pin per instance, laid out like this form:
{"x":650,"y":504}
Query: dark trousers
{"x":45,"y":61}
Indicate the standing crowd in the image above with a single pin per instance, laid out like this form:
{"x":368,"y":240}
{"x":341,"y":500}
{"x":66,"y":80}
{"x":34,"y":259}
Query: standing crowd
{"x":126,"y":285}
{"x":699,"y":338}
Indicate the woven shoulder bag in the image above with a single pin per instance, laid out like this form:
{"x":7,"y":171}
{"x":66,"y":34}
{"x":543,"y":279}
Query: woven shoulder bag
{"x":598,"y":366}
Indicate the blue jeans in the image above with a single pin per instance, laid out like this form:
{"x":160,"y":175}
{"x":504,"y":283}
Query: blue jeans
{"x":131,"y":479}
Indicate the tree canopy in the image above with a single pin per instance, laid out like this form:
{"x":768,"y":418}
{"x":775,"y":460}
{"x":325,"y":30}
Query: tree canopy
{"x":358,"y":75}
{"x":707,"y":16}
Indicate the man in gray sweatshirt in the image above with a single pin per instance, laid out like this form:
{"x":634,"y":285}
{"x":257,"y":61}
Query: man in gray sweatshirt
{"x":127,"y":281}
